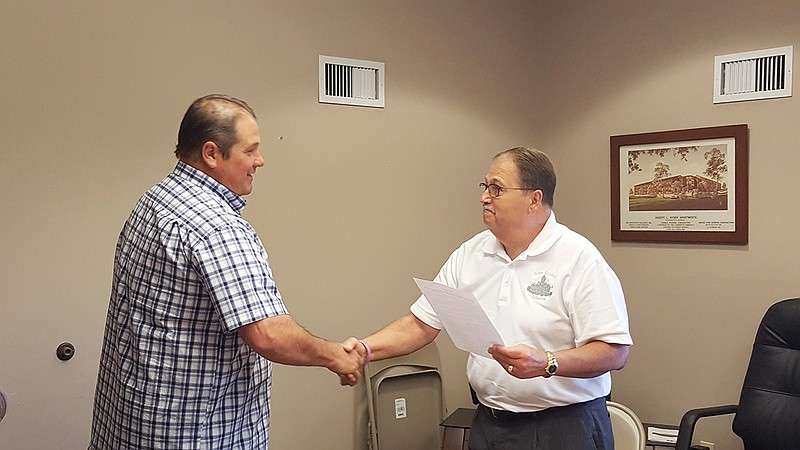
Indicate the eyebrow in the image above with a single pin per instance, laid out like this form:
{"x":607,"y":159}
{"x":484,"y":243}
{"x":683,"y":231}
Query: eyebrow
{"x":493,"y":181}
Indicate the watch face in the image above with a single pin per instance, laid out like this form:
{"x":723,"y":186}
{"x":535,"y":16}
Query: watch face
{"x":552,"y":369}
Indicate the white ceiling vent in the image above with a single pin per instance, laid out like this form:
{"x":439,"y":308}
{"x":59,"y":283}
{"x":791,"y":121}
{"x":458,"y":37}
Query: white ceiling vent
{"x":351,"y":82}
{"x":753,"y":75}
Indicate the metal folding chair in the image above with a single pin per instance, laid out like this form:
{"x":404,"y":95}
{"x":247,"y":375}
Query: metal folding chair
{"x":405,"y":402}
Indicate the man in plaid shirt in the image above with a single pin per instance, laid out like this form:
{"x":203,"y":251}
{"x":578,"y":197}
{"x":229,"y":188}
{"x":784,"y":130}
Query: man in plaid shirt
{"x":195,"y":318}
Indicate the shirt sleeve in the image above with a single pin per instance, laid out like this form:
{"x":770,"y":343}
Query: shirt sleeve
{"x":235,"y":269}
{"x":598,"y":306}
{"x":448,"y":276}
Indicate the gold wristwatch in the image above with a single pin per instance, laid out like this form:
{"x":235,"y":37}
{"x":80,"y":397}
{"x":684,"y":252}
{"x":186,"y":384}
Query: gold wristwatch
{"x":552,"y":365}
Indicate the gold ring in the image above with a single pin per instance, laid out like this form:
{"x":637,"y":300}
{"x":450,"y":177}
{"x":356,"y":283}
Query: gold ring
{"x":510,"y":368}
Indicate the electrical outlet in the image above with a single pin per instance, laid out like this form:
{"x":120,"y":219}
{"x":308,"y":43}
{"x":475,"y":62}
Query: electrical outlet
{"x":710,"y":445}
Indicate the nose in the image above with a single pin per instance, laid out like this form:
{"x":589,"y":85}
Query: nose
{"x":259,"y":162}
{"x":485,"y":197}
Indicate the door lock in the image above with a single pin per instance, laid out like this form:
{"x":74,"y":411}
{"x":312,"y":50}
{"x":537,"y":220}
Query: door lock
{"x":65,"y":351}
{"x":2,"y":405}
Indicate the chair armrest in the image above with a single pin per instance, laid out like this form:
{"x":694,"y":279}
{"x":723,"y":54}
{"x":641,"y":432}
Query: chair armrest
{"x":690,"y":418}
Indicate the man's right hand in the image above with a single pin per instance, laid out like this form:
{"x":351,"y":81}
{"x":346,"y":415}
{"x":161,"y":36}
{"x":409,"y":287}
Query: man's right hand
{"x":348,"y":363}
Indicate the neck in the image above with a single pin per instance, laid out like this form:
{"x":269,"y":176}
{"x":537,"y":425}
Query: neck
{"x":197,"y":164}
{"x":522,"y":238}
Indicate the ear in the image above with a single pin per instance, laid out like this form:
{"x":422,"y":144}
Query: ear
{"x":536,"y":200}
{"x":210,"y":154}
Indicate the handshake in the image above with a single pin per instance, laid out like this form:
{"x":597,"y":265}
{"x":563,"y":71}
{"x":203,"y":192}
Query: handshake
{"x":348,"y":360}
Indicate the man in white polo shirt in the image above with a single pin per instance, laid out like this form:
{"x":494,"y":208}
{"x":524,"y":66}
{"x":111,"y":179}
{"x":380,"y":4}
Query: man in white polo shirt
{"x":551,"y":295}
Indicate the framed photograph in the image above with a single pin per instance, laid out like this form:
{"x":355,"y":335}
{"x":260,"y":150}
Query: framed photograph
{"x":681,"y":186}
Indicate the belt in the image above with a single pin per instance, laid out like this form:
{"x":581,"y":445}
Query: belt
{"x":503,"y":415}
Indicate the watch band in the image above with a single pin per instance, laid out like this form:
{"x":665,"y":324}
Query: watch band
{"x":552,"y":365}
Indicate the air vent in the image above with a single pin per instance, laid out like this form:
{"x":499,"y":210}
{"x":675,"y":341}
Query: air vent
{"x":753,"y":75}
{"x":351,"y":82}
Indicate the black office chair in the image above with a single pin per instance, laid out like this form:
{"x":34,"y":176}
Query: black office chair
{"x":768,"y":414}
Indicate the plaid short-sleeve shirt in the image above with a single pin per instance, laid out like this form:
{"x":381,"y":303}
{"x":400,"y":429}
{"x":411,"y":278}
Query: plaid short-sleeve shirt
{"x":188,"y":271}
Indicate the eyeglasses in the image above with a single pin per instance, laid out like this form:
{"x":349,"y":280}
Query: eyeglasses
{"x":496,"y":191}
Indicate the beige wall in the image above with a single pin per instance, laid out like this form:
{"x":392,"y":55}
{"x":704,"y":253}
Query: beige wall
{"x":620,"y":67}
{"x":353,"y":202}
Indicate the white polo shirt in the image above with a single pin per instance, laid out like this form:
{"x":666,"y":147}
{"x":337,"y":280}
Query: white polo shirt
{"x":558,"y":294}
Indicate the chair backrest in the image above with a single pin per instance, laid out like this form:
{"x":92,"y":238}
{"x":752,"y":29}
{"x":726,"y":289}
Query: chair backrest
{"x":405,"y":402}
{"x":628,"y":429}
{"x":769,"y":406}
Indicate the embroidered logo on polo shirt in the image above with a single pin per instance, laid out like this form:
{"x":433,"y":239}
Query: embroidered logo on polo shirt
{"x":542,"y":289}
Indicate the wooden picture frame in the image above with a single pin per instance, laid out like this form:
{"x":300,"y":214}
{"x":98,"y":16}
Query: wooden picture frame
{"x":681,"y":186}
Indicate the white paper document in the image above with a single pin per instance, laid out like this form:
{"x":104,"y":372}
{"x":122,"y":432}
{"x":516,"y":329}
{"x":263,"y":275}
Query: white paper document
{"x":462,"y":316}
